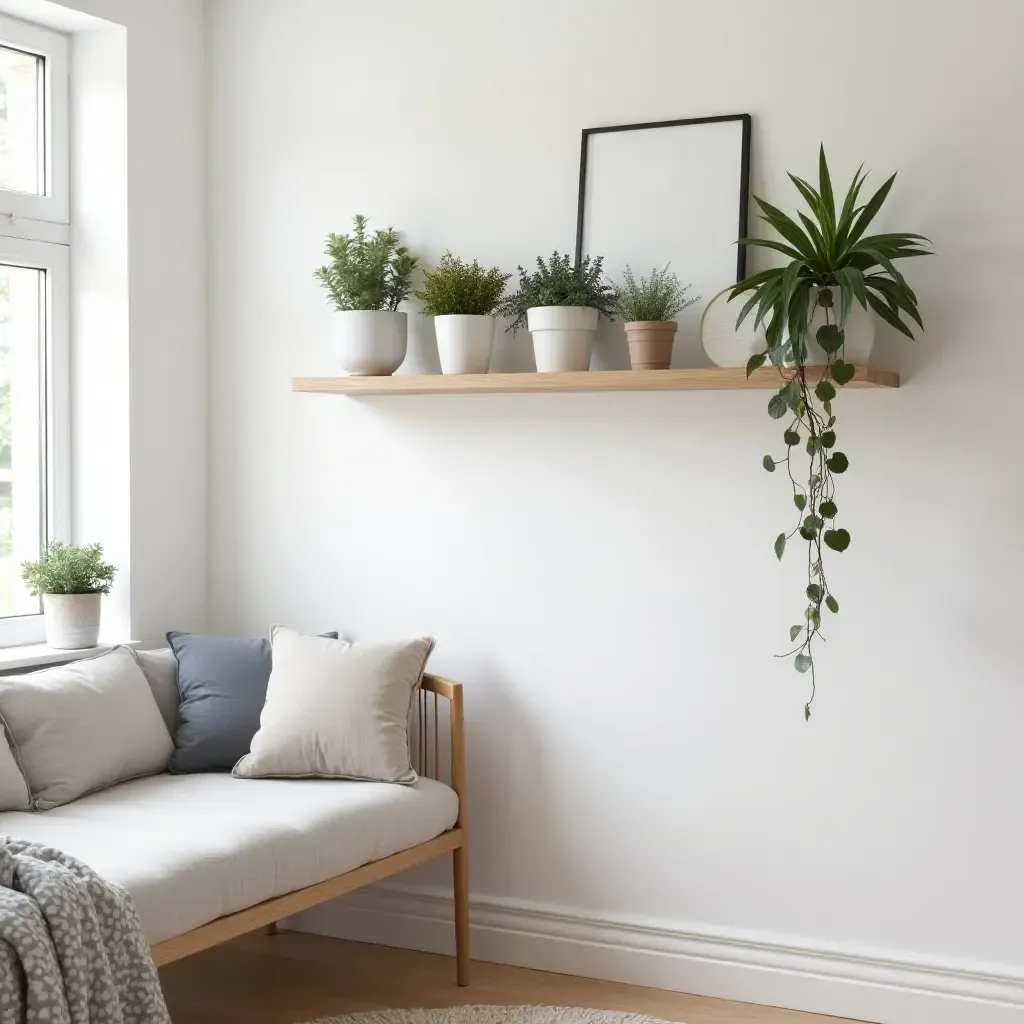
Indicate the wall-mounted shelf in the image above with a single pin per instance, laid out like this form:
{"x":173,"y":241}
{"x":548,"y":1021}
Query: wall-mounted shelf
{"x":709,"y":379}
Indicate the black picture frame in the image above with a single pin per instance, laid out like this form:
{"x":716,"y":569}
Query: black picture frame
{"x":744,"y":193}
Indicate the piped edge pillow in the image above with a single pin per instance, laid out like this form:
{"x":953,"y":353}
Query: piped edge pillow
{"x":337,"y":710}
{"x":81,"y":727}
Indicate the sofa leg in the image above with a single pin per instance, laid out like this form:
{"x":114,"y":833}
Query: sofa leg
{"x":460,"y":865}
{"x":271,"y":929}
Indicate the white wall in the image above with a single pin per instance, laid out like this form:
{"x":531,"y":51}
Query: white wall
{"x":139,"y":330}
{"x":598,"y":568}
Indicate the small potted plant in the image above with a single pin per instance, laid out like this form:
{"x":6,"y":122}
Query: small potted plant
{"x":366,"y":279}
{"x":649,"y":308}
{"x":71,"y":581}
{"x":462,"y":298}
{"x":560,"y":304}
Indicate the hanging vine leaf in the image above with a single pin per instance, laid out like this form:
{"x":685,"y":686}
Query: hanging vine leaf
{"x":843,"y":373}
{"x":780,"y":546}
{"x":828,"y":439}
{"x":830,"y":338}
{"x":800,"y":500}
{"x":828,"y":509}
{"x":791,"y":437}
{"x":794,"y":632}
{"x":756,"y":362}
{"x":769,"y":463}
{"x":832,"y":604}
{"x":814,"y":592}
{"x":825,"y":392}
{"x":802,"y":662}
{"x":837,"y":540}
{"x":838,"y":462}
{"x":777,"y":407}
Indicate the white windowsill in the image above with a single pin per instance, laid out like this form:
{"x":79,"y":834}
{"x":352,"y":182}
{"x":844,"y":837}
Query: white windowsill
{"x":39,"y":655}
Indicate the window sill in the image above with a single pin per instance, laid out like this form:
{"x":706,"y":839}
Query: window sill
{"x":39,"y":655}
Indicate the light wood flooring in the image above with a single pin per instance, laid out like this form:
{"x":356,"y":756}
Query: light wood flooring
{"x":291,"y":977}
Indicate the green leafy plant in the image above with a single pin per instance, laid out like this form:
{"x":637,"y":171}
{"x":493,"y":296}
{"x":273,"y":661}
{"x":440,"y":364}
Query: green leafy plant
{"x":560,"y":282}
{"x":65,"y":569}
{"x":833,"y":262}
{"x":661,"y":297}
{"x":366,"y":271}
{"x":457,"y":287}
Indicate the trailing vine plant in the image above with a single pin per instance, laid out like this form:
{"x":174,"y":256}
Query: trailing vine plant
{"x":833,"y":262}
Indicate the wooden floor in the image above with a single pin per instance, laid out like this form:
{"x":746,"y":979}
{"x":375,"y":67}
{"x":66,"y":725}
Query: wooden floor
{"x":290,"y":977}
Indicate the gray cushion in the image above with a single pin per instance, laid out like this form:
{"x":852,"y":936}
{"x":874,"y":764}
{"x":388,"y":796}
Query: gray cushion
{"x":222,"y":685}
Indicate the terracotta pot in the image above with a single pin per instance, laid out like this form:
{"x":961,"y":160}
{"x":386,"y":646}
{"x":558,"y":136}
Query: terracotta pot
{"x":650,"y":343}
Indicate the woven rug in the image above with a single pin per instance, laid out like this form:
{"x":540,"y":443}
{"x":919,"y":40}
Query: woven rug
{"x":494,"y":1015}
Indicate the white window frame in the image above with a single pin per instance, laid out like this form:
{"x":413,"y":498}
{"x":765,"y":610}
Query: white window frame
{"x":35,"y":232}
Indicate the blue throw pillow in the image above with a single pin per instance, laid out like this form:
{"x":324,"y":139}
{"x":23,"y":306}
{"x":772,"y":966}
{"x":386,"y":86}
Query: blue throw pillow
{"x":222,"y":686}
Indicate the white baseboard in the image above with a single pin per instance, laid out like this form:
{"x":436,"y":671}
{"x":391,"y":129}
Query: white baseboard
{"x":863,"y":984}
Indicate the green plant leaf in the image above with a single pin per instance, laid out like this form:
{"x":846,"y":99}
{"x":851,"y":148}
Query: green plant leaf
{"x":832,"y":604}
{"x":777,"y":407}
{"x":888,"y":315}
{"x":755,"y":362}
{"x":791,"y":437}
{"x":830,"y":338}
{"x":802,"y":662}
{"x":828,"y":202}
{"x":800,"y":500}
{"x":813,"y":444}
{"x":868,"y":213}
{"x":837,"y":540}
{"x":794,"y":632}
{"x":806,"y":534}
{"x":838,"y":463}
{"x":769,"y":463}
{"x":825,"y":391}
{"x":828,"y":439}
{"x":814,"y":592}
{"x":828,"y":509}
{"x":780,"y":546}
{"x":843,"y":373}
{"x":813,"y":524}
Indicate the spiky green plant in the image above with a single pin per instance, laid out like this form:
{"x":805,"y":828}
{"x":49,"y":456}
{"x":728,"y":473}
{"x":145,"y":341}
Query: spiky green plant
{"x":833,"y":262}
{"x":366,"y":271}
{"x":457,"y":287}
{"x":560,"y":282}
{"x":661,"y":297}
{"x":65,"y":569}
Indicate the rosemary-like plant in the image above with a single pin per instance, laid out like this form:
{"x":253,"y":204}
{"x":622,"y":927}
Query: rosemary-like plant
{"x":661,"y":297}
{"x":560,"y":282}
{"x":833,"y":263}
{"x":457,"y":287}
{"x":366,"y":271}
{"x":65,"y":569}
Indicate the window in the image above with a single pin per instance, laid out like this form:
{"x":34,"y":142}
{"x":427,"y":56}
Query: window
{"x":34,"y":312}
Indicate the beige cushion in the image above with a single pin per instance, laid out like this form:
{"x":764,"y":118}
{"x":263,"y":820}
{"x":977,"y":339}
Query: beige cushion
{"x":337,"y":710}
{"x":77,"y":728}
{"x":13,"y":791}
{"x":191,"y":848}
{"x":161,"y":670}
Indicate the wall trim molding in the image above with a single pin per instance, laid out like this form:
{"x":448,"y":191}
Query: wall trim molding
{"x":861,"y":983}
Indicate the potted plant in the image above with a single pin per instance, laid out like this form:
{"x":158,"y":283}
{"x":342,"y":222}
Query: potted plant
{"x":71,"y":581}
{"x":560,"y":304}
{"x":649,"y":308}
{"x":366,"y":279}
{"x":834,"y":267}
{"x":462,"y":298}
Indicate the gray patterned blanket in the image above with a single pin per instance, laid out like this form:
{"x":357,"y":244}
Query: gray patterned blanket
{"x":72,"y":950}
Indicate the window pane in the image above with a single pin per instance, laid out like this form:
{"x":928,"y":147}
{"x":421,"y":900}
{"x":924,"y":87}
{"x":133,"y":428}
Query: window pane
{"x":22,"y":330}
{"x":21,"y":164}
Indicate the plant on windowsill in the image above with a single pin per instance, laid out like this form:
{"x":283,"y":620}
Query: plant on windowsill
{"x":560,"y":304}
{"x":366,"y":279}
{"x":837,"y":273}
{"x":648,"y":308}
{"x":462,"y":298}
{"x":71,"y":581}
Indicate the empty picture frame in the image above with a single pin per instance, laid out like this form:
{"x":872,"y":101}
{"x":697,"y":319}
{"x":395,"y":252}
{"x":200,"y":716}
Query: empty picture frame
{"x":668,"y":192}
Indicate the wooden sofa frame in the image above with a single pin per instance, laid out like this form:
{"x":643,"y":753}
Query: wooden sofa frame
{"x":454,"y":841}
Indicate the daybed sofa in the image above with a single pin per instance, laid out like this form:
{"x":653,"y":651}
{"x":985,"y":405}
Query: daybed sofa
{"x":208,"y":857}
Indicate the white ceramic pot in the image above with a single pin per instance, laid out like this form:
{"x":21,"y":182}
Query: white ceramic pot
{"x":860,"y":333}
{"x":464,"y":342}
{"x":563,"y":337}
{"x":371,"y":342}
{"x":72,"y":620}
{"x":724,"y":344}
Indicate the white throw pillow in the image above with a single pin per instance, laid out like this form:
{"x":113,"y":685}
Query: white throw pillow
{"x":337,"y":710}
{"x":161,"y":671}
{"x":13,"y":791}
{"x":84,"y":726}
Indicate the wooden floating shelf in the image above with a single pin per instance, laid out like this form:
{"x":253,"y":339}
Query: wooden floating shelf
{"x":708,"y":379}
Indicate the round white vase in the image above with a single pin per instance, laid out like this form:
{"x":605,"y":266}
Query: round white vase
{"x":464,"y":342}
{"x":724,"y":343}
{"x":371,"y":342}
{"x":72,"y":621}
{"x":563,"y":337}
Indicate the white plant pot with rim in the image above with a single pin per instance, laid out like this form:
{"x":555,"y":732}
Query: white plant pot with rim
{"x":464,"y":342}
{"x":563,"y":337}
{"x":72,"y":621}
{"x":371,"y":342}
{"x":859,"y":331}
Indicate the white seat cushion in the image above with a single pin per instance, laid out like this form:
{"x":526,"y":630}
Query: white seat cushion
{"x":191,"y":848}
